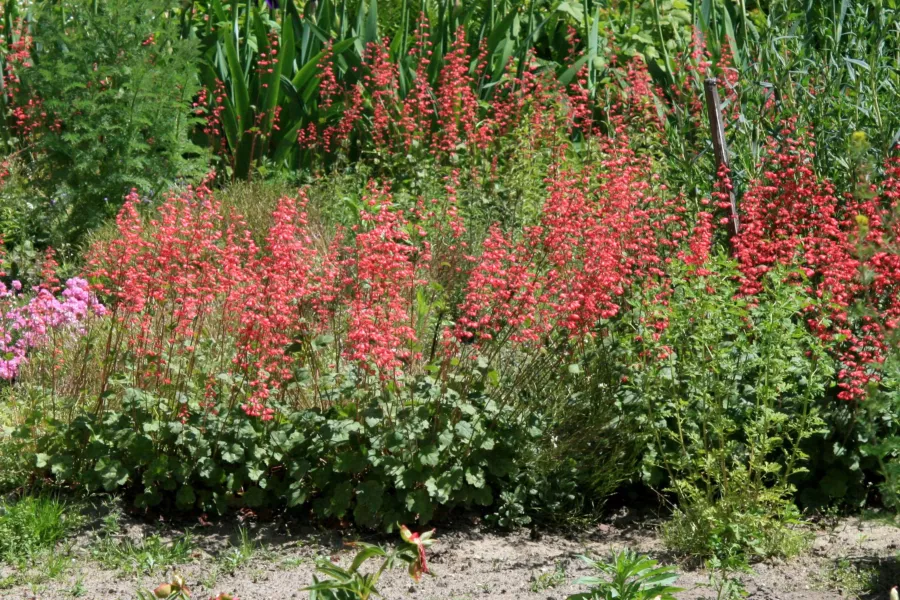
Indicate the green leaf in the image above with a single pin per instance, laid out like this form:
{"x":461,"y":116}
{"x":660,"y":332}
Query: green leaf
{"x":369,"y":498}
{"x":482,"y":495}
{"x":464,"y":430}
{"x":62,"y":467}
{"x":255,"y":473}
{"x":340,"y":499}
{"x":185,"y":497}
{"x":569,"y":75}
{"x":297,"y":494}
{"x":233,"y":453}
{"x":475,"y":477}
{"x":351,"y":461}
{"x":238,"y":84}
{"x":419,"y":503}
{"x":112,"y":473}
{"x":430,"y":456}
{"x":254,"y":497}
{"x":371,"y":32}
{"x":573,"y":10}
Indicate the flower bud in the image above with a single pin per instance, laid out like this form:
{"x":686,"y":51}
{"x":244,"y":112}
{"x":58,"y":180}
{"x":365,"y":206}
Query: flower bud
{"x":406,"y":534}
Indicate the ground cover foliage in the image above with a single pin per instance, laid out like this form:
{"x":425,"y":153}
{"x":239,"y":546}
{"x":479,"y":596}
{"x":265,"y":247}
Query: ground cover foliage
{"x":383,"y":262}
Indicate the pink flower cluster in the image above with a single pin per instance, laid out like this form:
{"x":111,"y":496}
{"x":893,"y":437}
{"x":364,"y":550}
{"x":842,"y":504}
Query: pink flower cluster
{"x":34,"y":323}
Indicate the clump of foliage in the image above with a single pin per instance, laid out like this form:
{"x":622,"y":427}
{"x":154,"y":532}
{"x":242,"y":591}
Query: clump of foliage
{"x":882,"y":431}
{"x":101,"y":105}
{"x":375,"y":465}
{"x":628,"y":576}
{"x":32,"y":526}
{"x":730,"y":387}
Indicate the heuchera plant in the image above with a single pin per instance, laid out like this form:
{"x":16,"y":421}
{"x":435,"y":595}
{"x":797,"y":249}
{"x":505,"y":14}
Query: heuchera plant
{"x":846,"y":248}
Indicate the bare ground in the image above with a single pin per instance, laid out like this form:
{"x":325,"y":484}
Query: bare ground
{"x":853,"y":558}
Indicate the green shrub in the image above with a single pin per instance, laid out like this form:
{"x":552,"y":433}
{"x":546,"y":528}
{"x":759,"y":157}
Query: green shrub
{"x":881,"y":429}
{"x":592,"y":444}
{"x":730,"y":390}
{"x":15,"y":447}
{"x":115,"y":82}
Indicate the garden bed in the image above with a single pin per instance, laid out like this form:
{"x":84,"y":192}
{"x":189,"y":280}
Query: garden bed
{"x":491,"y":264}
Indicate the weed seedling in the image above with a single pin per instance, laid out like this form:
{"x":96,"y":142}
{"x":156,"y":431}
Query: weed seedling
{"x":240,"y":553}
{"x":853,"y":580}
{"x":550,"y":579}
{"x":725,"y":581}
{"x":78,"y":589}
{"x":628,"y":576}
{"x":147,"y":555}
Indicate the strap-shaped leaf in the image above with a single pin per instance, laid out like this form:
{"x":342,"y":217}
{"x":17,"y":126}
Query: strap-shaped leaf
{"x":273,"y":79}
{"x":365,"y":554}
{"x":570,"y":73}
{"x":370,"y":35}
{"x":238,"y":84}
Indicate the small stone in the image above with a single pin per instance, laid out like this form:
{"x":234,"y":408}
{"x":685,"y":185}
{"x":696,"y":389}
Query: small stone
{"x":820,"y":545}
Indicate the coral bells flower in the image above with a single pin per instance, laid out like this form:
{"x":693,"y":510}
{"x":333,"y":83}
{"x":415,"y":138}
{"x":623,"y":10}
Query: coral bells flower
{"x":420,"y":541}
{"x":504,"y":291}
{"x":456,"y":100}
{"x":383,"y":278}
{"x":274,"y":302}
{"x":790,"y":217}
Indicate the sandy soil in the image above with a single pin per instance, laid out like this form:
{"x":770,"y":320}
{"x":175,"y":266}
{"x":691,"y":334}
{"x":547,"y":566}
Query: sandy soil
{"x":854,"y":558}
